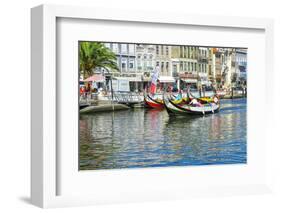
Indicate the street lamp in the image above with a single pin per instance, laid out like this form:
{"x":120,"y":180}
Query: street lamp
{"x":109,"y":75}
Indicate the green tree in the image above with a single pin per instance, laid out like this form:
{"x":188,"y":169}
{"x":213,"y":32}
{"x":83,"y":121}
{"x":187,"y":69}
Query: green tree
{"x":94,"y":55}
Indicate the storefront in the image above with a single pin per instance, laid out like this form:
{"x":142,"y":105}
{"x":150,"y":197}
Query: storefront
{"x":204,"y":81}
{"x":135,"y":83}
{"x":165,"y":81}
{"x":187,"y":80}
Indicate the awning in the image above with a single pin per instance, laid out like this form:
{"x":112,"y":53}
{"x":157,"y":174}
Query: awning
{"x":131,"y":79}
{"x":146,"y":79}
{"x":95,"y":78}
{"x":166,"y":79}
{"x":203,"y":75}
{"x":206,"y":83}
{"x":189,"y":80}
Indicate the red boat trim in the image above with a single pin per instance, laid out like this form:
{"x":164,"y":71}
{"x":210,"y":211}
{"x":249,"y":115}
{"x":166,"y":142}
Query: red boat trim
{"x":153,"y":104}
{"x":155,"y":100}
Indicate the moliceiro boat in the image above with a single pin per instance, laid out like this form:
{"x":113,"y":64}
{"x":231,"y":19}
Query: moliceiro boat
{"x":192,"y":106}
{"x":154,"y":101}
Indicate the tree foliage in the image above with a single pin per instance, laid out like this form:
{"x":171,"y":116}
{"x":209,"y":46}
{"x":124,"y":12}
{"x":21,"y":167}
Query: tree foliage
{"x":93,"y":55}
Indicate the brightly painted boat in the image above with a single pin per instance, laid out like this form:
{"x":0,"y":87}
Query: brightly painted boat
{"x":179,"y":98}
{"x":190,"y":108}
{"x":154,"y":101}
{"x":204,"y":99}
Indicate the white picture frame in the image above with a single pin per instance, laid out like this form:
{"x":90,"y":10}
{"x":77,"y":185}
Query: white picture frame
{"x":44,"y":155}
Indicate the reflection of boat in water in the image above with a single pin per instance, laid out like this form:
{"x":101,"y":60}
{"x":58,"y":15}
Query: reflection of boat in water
{"x":196,"y":106}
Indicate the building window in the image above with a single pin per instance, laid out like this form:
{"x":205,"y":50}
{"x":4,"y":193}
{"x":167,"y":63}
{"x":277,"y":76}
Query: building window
{"x":139,"y":56}
{"x":181,"y":66}
{"x":188,"y":66}
{"x":144,"y":56}
{"x":145,"y":65}
{"x":139,"y":64}
{"x":193,"y":52}
{"x":132,"y":64}
{"x":124,"y":48}
{"x":162,"y":66}
{"x":115,"y":48}
{"x":167,"y":66}
{"x":131,"y":49}
{"x":186,"y":52}
{"x":157,"y":63}
{"x":181,"y":52}
{"x":124,"y":64}
{"x":174,"y":68}
{"x":167,"y":50}
{"x":157,"y":49}
{"x":150,"y":64}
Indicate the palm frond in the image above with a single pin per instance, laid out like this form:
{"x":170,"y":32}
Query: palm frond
{"x":93,"y":55}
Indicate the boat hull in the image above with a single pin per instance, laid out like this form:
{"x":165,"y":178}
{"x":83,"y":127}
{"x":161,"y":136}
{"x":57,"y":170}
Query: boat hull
{"x":152,"y":103}
{"x":186,"y":109}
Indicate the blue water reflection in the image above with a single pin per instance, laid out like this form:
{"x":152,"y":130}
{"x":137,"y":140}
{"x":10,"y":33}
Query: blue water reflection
{"x":151,"y":138}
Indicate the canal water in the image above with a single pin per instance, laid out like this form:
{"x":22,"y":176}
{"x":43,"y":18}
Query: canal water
{"x":138,"y":138}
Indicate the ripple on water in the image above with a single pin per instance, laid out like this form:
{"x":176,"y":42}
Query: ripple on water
{"x":150,"y":138}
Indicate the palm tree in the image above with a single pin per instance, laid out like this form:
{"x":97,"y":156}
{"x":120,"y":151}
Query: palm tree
{"x":94,"y":55}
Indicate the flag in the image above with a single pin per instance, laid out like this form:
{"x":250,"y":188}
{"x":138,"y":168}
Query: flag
{"x":154,"y":78}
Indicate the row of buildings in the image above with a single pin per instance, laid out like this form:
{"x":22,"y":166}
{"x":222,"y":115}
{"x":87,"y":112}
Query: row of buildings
{"x":222,"y":68}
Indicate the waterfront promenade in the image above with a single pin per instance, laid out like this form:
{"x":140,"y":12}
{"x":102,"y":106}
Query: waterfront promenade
{"x":123,"y":101}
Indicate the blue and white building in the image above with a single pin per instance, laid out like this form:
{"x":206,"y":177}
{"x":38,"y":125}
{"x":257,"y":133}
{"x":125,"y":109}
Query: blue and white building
{"x":241,"y":60}
{"x":126,"y":57}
